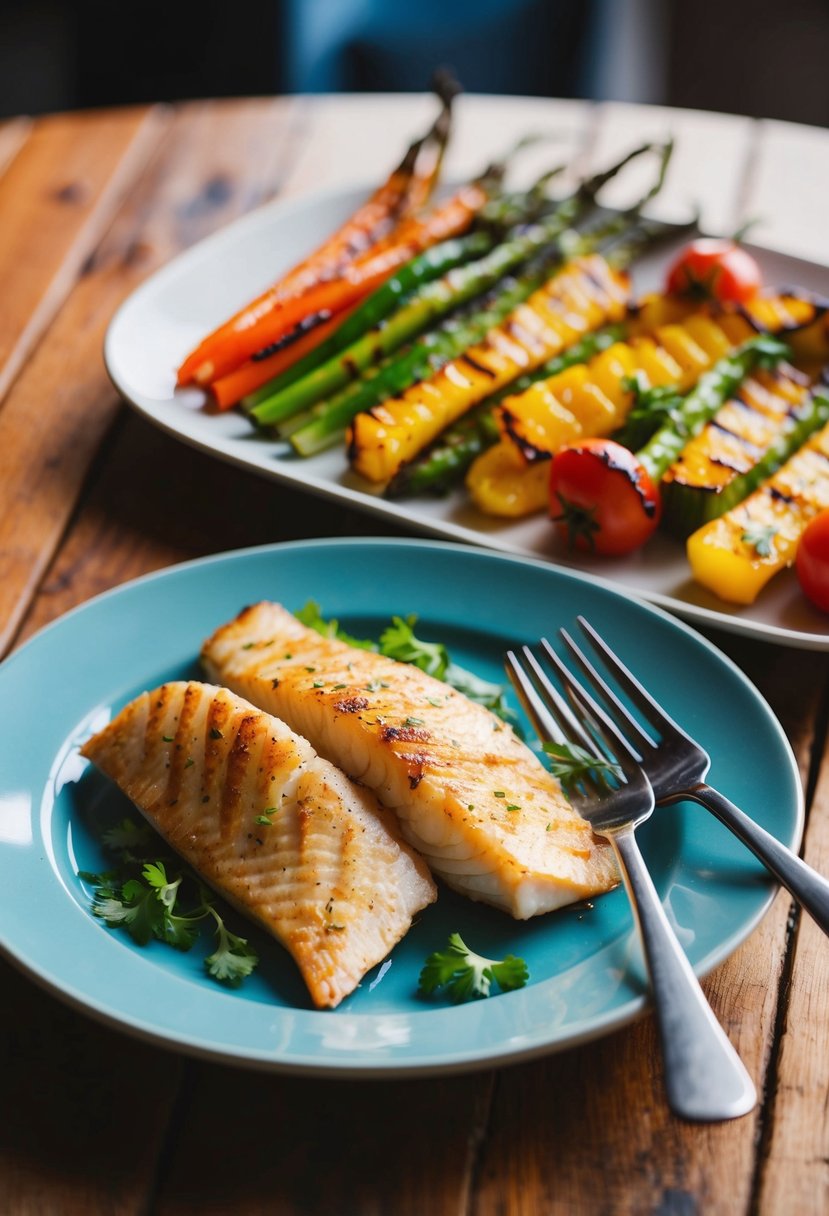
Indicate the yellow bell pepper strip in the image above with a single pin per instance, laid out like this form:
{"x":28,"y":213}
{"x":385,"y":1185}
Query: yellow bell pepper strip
{"x":737,"y":554}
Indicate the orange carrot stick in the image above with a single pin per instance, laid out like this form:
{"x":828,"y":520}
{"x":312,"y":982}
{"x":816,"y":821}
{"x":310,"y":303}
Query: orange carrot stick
{"x":230,"y":389}
{"x":355,"y":281}
{"x":407,"y":187}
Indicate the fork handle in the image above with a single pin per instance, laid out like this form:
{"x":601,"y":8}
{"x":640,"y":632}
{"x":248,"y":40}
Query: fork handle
{"x":810,"y":889}
{"x":704,"y":1077}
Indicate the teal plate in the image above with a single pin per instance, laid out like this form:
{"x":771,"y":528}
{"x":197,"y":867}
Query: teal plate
{"x":586,"y":975}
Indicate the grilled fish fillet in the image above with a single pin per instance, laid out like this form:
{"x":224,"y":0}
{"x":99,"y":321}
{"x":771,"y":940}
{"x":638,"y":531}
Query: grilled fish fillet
{"x":329,"y":876}
{"x":468,"y":794}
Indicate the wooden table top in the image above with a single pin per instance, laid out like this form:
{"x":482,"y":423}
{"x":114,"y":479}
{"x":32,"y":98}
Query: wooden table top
{"x":93,"y":1121}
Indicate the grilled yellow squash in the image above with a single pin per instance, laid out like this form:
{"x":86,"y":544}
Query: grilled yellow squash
{"x":593,"y":400}
{"x":746,"y":440}
{"x":736,"y":555}
{"x":584,"y":295}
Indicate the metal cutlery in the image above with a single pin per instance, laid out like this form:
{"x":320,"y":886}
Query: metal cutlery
{"x":677,"y":765}
{"x":705,"y":1079}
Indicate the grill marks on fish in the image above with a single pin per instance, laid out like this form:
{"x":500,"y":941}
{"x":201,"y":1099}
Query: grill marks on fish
{"x":469,"y":795}
{"x":327,"y":873}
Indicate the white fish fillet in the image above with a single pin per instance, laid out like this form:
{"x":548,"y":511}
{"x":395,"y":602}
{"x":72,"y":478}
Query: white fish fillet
{"x":469,"y":795}
{"x":329,"y":877}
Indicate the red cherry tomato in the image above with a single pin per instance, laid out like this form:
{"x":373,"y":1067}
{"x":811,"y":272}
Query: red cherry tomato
{"x":714,"y":270}
{"x":601,"y":498}
{"x":812,"y":561}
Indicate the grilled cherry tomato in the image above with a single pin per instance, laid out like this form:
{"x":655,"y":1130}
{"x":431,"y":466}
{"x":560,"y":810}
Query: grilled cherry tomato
{"x":601,"y":498}
{"x":812,"y":561}
{"x":714,"y":270}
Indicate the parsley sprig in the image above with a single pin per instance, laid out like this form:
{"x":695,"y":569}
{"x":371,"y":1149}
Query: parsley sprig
{"x":569,"y":762}
{"x":399,"y":641}
{"x":760,"y":537}
{"x":465,"y":975}
{"x":154,"y":897}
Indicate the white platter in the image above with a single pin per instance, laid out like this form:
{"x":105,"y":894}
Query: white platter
{"x":167,"y":315}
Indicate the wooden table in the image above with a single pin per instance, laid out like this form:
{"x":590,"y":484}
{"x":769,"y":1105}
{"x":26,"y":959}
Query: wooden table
{"x":93,"y":1121}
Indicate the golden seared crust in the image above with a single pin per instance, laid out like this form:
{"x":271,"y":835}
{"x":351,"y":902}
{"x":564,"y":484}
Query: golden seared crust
{"x":469,"y":795}
{"x":272,"y":826}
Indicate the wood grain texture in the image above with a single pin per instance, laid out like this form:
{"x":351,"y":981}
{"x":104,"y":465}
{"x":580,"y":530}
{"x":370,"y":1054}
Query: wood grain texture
{"x":794,"y":1169}
{"x":83,"y":1110}
{"x":56,"y":198}
{"x":13,"y":135}
{"x":212,"y":162}
{"x":313,"y":1148}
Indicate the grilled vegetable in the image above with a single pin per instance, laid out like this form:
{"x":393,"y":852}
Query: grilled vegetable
{"x":408,"y":186}
{"x":363,"y":340}
{"x":434,"y":300}
{"x":713,"y":269}
{"x":590,"y":400}
{"x":601,"y":499}
{"x":736,"y":554}
{"x":353,"y":282}
{"x":444,"y":464}
{"x":326,"y":424}
{"x":586,"y":294}
{"x":812,"y":562}
{"x":712,"y":390}
{"x":602,"y":399}
{"x":501,"y":482}
{"x":768,"y":419}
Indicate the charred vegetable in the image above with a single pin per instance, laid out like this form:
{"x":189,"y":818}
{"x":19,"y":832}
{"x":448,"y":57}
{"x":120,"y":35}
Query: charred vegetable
{"x":736,"y":554}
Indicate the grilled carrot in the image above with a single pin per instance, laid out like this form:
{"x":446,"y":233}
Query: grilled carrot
{"x":405,"y":188}
{"x":230,"y":389}
{"x":354,"y":282}
{"x":509,"y":229}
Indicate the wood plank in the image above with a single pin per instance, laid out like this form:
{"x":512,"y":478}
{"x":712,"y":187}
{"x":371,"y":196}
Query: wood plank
{"x":83,"y":1109}
{"x":56,"y":199}
{"x":708,"y":166}
{"x":795,"y":1165}
{"x":217,"y":161}
{"x":610,"y":1145}
{"x":310,"y":1148}
{"x":133,"y":519}
{"x":356,"y":140}
{"x":790,"y":181}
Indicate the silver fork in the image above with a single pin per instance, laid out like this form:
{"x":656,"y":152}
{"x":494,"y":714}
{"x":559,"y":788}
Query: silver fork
{"x":705,"y":1079}
{"x":677,"y":766}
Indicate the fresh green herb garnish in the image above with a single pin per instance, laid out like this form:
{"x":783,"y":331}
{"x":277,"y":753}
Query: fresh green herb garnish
{"x":233,"y":959}
{"x":399,"y":641}
{"x":568,"y":762}
{"x":761,"y":538}
{"x":464,"y":975}
{"x":650,"y":400}
{"x":144,"y":895}
{"x":311,"y":615}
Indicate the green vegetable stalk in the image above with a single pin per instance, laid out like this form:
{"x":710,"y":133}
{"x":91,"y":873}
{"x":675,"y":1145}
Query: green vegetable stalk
{"x":382,"y":324}
{"x":691,"y":413}
{"x":444,"y":464}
